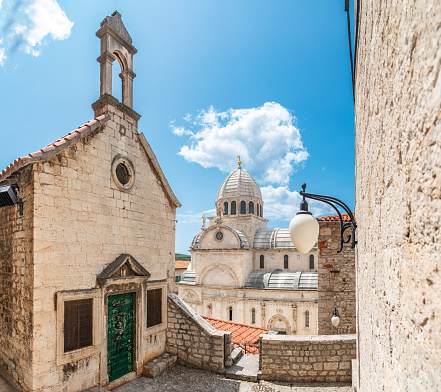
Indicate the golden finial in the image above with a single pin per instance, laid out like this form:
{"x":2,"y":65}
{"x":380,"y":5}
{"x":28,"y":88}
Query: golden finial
{"x":239,"y":163}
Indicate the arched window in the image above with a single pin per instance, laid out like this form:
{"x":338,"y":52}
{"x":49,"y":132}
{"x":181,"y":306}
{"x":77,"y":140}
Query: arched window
{"x":285,"y":261}
{"x":257,"y":209}
{"x":250,"y":207}
{"x":230,"y":313}
{"x":209,"y":309}
{"x":307,"y":318}
{"x":226,"y":208}
{"x":243,"y":207}
{"x":233,"y":208}
{"x":262,"y":261}
{"x":253,"y":316}
{"x":311,"y":262}
{"x":261,"y":210}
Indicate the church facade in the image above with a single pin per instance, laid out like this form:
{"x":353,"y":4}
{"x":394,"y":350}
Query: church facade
{"x":87,"y":255}
{"x":243,"y":272}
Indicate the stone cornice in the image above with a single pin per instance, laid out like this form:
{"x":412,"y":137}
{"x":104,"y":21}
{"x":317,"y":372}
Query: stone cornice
{"x":110,"y":100}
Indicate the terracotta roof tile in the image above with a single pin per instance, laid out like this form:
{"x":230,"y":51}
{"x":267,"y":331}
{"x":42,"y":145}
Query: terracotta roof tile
{"x":179,"y":264}
{"x":53,"y":145}
{"x":335,"y":218}
{"x":241,"y":334}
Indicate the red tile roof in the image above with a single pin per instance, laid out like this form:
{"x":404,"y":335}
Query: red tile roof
{"x":334,"y":218}
{"x":240,"y":333}
{"x":27,"y":158}
{"x":180,"y":264}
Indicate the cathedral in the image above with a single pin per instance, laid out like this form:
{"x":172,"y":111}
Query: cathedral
{"x":244,"y":272}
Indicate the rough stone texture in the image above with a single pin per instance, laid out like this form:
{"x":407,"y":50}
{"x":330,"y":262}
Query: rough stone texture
{"x":159,"y":365}
{"x":194,"y":340}
{"x":336,"y":281}
{"x":183,"y":379}
{"x":321,"y":358}
{"x":246,"y":369}
{"x":16,"y":279}
{"x":398,"y":192}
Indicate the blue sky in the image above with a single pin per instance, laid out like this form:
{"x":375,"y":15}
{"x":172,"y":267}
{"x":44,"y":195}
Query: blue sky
{"x":267,"y":80}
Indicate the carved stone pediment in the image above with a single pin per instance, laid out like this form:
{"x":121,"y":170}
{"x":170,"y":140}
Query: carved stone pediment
{"x":124,"y":268}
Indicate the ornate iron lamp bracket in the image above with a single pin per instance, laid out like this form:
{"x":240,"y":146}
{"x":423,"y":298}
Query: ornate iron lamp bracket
{"x":336,"y":204}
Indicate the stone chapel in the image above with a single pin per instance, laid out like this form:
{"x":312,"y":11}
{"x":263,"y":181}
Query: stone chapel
{"x":87,"y":253}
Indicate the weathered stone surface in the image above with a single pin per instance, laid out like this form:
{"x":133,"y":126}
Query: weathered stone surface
{"x":336,"y":282}
{"x":398,"y":192}
{"x":301,"y":358}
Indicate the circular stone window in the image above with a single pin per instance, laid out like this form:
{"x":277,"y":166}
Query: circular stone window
{"x":219,"y":236}
{"x":123,"y":173}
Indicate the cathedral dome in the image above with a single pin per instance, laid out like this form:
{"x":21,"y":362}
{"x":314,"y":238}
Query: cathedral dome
{"x":239,"y":184}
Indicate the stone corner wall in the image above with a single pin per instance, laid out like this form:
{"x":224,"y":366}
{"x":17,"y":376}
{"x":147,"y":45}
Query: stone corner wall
{"x":398,"y":192}
{"x":336,"y":281}
{"x":16,"y":282}
{"x":321,"y":358}
{"x":195,"y":342}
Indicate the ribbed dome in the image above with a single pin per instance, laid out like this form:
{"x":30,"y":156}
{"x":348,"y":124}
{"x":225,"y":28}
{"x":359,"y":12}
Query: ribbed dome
{"x":239,"y":184}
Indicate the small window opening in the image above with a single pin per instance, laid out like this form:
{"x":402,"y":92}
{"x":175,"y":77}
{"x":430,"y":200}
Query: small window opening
{"x":253,"y":316}
{"x":257,"y":209}
{"x":307,"y":318}
{"x":154,"y":307}
{"x":311,"y":262}
{"x":285,"y":262}
{"x":230,"y":313}
{"x":226,"y":208}
{"x":243,"y":207}
{"x":262,"y":261}
{"x":78,"y":324}
{"x":233,"y":208}
{"x":261,"y":211}
{"x":250,"y":207}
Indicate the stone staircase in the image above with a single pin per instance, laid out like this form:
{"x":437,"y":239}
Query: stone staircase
{"x":159,"y":365}
{"x":246,"y":368}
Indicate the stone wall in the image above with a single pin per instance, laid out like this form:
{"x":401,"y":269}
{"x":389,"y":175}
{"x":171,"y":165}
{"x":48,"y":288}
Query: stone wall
{"x":306,"y":358}
{"x":336,"y":281}
{"x":16,"y":280}
{"x":195,"y":342}
{"x":398,"y":192}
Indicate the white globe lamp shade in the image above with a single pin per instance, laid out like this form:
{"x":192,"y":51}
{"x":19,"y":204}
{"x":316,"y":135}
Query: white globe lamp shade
{"x":304,"y":231}
{"x":335,"y":320}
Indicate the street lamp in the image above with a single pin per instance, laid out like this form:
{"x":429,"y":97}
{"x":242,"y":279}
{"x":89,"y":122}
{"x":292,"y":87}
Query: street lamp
{"x":304,"y":228}
{"x":335,"y":319}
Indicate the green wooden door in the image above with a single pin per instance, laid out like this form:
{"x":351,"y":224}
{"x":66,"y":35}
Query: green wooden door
{"x":120,"y":337}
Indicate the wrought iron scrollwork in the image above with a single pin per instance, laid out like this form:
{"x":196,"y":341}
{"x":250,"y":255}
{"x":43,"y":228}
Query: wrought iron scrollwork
{"x":334,"y":203}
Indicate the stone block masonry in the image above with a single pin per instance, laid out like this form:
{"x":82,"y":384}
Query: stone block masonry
{"x":398,"y":193}
{"x":336,"y":281}
{"x":307,"y":359}
{"x":195,"y":342}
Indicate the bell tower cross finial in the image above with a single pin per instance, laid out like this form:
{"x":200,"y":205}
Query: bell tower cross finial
{"x":116,"y":43}
{"x":239,"y":163}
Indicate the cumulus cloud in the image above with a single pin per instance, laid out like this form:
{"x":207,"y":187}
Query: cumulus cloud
{"x":283,"y":204}
{"x":27,"y":24}
{"x":265,"y":137}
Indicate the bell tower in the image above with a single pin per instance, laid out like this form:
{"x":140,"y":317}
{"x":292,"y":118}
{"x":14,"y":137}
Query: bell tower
{"x":116,"y":43}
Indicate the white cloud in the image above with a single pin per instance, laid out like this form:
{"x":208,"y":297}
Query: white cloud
{"x":28,"y":24}
{"x":2,"y":56}
{"x":48,"y":19}
{"x":266,"y":139}
{"x":282,"y":204}
{"x":196,"y":217}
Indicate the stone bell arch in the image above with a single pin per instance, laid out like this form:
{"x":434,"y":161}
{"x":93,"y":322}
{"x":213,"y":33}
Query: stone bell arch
{"x":116,"y":43}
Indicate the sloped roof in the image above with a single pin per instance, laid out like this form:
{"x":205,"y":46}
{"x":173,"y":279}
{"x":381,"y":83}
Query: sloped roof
{"x":335,"y":218}
{"x":277,"y":238}
{"x":53,"y":148}
{"x":180,"y":264}
{"x":282,"y":280}
{"x":240,"y":333}
{"x":188,"y":277}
